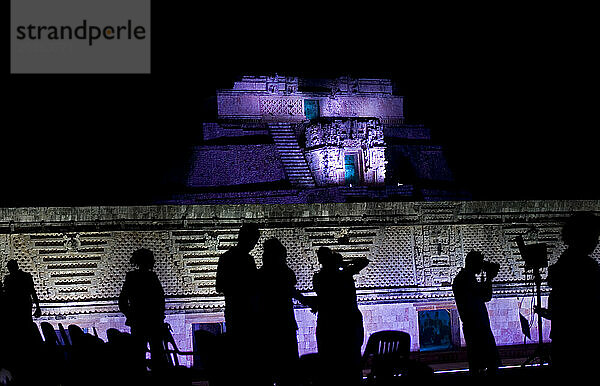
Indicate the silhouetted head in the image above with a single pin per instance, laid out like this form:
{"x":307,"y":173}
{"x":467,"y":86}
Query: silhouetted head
{"x":143,"y":258}
{"x":12,"y":266}
{"x":248,"y":236}
{"x":474,"y":261}
{"x":274,"y":253}
{"x":327,"y":258}
{"x":581,"y":232}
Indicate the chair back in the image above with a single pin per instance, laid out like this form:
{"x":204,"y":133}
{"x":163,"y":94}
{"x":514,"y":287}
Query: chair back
{"x":76,"y":334}
{"x":389,"y":350}
{"x":171,"y":353}
{"x":390,"y":342}
{"x":50,"y":337}
{"x":113,"y":335}
{"x":63,"y":333}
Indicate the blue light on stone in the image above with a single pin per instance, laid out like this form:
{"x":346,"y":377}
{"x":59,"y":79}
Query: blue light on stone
{"x":311,"y":109}
{"x":435,"y":332}
{"x":351,"y":176}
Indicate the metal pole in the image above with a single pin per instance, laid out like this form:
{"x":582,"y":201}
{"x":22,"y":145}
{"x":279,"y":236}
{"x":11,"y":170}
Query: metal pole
{"x":538,"y":283}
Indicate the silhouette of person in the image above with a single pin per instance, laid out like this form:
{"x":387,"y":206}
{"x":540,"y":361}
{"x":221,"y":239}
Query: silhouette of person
{"x":340,"y":331}
{"x":470,"y":296}
{"x":5,"y":374}
{"x":19,"y":297}
{"x":237,"y":280}
{"x":142,"y":301}
{"x":278,"y":289}
{"x":20,"y":294}
{"x":574,"y":300}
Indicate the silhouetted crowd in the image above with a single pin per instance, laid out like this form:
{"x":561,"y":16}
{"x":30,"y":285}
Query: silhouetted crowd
{"x":255,"y":298}
{"x":260,"y":346}
{"x":32,"y":355}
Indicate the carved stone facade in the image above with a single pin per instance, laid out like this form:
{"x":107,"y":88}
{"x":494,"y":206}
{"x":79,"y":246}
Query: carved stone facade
{"x":79,"y":256}
{"x":331,"y":144}
{"x":284,"y":98}
{"x":274,"y":107}
{"x":283,"y":139}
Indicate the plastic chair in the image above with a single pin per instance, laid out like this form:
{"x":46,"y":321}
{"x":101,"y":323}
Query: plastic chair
{"x":388,"y":351}
{"x":63,"y":333}
{"x":113,"y":335}
{"x":207,"y":358}
{"x":50,"y":337}
{"x":76,"y":334}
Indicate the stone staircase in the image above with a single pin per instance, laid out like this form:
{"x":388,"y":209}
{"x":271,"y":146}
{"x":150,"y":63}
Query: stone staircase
{"x":291,"y":155}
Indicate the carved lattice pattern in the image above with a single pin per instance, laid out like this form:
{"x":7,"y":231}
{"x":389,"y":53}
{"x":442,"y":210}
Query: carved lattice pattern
{"x":86,"y":266}
{"x":64,"y":266}
{"x":300,"y":257}
{"x":199,"y":252}
{"x":281,"y":106}
{"x":124,"y":244}
{"x":392,"y":263}
{"x":491,"y":241}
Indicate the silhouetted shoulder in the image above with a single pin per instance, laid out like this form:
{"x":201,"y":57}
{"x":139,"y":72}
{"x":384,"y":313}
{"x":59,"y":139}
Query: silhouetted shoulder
{"x":226,"y":258}
{"x":222,"y":279}
{"x":291,"y":276}
{"x":228,"y":253}
{"x":129,"y":275}
{"x":572,"y":270}
{"x":316,"y":281}
{"x":459,"y":280}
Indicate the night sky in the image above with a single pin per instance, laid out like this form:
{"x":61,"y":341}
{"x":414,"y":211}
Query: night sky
{"x":512,"y":97}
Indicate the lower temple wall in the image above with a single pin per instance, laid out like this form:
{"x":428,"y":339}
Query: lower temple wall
{"x":78,"y":258}
{"x":503,"y":313}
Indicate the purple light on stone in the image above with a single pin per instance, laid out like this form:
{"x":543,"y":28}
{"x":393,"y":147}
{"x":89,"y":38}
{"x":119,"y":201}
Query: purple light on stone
{"x":279,"y":97}
{"x":329,"y":143}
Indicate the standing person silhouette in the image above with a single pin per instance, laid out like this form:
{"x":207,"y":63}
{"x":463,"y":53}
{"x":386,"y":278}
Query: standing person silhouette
{"x":470,"y":296}
{"x":237,"y":279}
{"x":340,"y":331}
{"x":142,"y":301}
{"x":5,"y":374}
{"x":20,"y":294}
{"x":574,"y":300}
{"x":278,"y":289}
{"x":19,"y":297}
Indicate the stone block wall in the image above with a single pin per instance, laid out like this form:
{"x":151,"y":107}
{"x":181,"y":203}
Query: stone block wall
{"x":79,"y":257}
{"x":252,"y":105}
{"x":279,"y":98}
{"x":226,"y":165}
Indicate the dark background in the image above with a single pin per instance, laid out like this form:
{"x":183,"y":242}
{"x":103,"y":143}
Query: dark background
{"x":510,"y":93}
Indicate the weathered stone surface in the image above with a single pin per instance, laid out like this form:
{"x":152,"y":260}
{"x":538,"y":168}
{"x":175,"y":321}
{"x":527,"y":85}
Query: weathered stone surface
{"x":79,"y":256}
